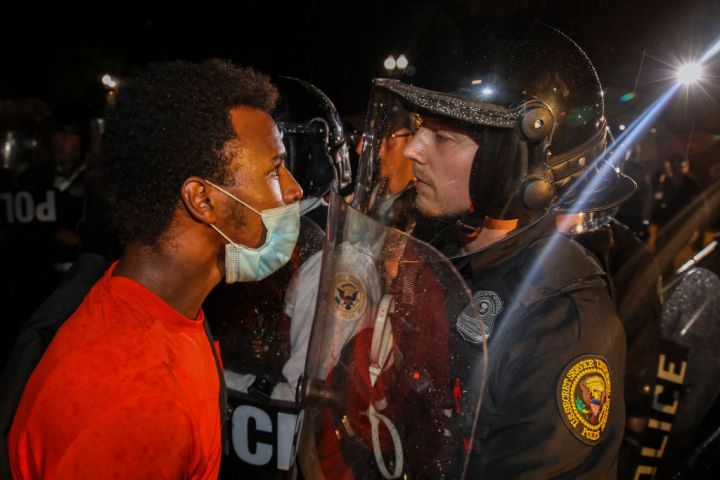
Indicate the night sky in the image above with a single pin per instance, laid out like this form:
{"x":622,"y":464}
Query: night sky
{"x":57,"y":52}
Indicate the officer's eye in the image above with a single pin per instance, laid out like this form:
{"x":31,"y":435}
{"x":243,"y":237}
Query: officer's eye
{"x":444,"y":137}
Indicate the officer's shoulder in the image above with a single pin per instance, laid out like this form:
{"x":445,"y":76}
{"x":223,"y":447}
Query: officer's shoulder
{"x":557,"y":263}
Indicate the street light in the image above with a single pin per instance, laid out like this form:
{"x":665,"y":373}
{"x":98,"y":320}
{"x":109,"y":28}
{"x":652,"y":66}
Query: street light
{"x":689,"y":73}
{"x":109,"y":81}
{"x":402,"y":62}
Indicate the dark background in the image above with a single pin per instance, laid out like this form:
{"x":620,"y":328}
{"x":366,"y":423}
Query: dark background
{"x":57,"y":52}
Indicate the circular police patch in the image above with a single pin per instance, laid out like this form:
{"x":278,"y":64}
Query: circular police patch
{"x":583,"y":397}
{"x":349,"y":296}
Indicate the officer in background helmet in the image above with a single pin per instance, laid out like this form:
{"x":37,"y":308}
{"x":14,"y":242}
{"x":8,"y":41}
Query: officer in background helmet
{"x":509,"y":125}
{"x":315,"y":141}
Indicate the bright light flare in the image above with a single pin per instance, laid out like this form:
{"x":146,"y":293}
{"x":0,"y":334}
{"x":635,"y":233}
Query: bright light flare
{"x":109,"y":81}
{"x":711,"y":51}
{"x":402,"y":62}
{"x":607,"y":162}
{"x":390,"y":63}
{"x":689,"y":73}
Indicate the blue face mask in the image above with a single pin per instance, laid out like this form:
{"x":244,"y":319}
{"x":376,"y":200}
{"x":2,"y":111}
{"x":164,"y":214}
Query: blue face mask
{"x":245,"y":264}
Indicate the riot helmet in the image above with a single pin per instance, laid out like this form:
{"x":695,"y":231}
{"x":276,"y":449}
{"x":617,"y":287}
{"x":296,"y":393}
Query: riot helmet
{"x":22,"y":124}
{"x":314,"y":137}
{"x":531,"y":104}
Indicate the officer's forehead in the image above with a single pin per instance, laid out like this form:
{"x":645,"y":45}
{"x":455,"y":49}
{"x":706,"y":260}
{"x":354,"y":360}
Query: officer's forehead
{"x":437,"y":123}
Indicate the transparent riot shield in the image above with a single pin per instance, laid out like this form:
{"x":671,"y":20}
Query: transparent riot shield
{"x":688,"y":376}
{"x":396,"y":359}
{"x":689,"y":383}
{"x":690,"y":319}
{"x":259,"y":346}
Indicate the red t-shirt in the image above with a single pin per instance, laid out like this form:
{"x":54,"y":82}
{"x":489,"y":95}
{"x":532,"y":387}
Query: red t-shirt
{"x":127,"y":389}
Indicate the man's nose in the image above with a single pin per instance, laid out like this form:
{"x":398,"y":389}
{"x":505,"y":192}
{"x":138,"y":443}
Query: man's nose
{"x":291,"y":189}
{"x":415,"y":147}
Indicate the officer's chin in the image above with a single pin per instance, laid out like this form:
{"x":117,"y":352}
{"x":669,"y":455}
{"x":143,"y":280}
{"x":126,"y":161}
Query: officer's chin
{"x":427,"y":207}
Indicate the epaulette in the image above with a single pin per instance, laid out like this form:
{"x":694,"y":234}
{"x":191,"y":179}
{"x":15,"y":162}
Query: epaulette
{"x":555,"y":265}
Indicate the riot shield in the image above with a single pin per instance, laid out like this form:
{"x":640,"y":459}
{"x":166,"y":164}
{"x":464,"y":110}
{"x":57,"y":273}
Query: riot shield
{"x":396,"y":359}
{"x":690,"y":319}
{"x":259,"y":345}
{"x":688,"y":374}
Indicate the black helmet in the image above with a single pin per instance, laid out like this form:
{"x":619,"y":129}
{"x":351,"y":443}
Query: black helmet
{"x":313,"y":136}
{"x":533,"y":102}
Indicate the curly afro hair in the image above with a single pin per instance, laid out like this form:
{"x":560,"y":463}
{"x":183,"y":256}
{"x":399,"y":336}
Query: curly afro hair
{"x":170,"y":123}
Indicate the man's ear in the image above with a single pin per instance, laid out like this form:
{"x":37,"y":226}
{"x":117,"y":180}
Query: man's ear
{"x":197,"y":200}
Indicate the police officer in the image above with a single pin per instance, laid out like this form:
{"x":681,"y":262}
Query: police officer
{"x":509,"y":124}
{"x":314,"y":137}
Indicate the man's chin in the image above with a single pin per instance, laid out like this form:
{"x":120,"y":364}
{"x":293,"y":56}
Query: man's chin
{"x":429,"y":209}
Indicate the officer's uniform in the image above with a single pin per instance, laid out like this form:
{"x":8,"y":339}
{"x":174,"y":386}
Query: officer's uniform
{"x":635,"y":278}
{"x":553,"y":406}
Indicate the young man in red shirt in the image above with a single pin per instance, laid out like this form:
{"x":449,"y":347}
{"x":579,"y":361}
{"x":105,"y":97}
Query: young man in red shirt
{"x":195,"y":186}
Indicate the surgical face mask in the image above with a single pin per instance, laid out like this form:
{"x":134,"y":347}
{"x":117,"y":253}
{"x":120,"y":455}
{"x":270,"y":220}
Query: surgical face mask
{"x":245,"y":264}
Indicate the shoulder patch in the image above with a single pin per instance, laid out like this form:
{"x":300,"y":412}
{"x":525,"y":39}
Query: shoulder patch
{"x":349,"y":296}
{"x":478,"y":318}
{"x":583,"y":397}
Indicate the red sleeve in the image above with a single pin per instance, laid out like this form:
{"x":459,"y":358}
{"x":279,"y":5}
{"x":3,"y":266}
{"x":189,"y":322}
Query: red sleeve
{"x":140,"y":439}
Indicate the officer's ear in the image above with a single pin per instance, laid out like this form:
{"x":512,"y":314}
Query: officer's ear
{"x":198,"y":200}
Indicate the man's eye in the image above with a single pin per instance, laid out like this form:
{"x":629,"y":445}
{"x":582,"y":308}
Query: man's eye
{"x":275,"y":172}
{"x":441,"y":137}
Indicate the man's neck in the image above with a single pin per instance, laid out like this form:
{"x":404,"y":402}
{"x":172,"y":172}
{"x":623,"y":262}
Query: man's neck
{"x":181,"y":280}
{"x":491,"y":231}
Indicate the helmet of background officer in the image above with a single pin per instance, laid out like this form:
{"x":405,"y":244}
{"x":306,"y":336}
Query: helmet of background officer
{"x":677,"y":165}
{"x":69,"y":140}
{"x":353,"y":138}
{"x":21,"y":125}
{"x":314,"y":138}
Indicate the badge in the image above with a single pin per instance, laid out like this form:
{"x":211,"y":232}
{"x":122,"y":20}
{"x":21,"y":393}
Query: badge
{"x":349,"y":296}
{"x":478,"y":319}
{"x":583,"y":397}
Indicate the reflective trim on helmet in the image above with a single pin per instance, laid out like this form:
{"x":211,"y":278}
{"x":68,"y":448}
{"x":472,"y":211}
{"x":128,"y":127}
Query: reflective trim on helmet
{"x":450,"y":106}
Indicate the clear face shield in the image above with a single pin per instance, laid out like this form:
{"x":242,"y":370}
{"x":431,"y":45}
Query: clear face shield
{"x":447,"y":144}
{"x":396,"y":360}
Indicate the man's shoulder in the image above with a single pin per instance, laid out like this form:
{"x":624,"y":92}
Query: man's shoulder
{"x":556,"y":265}
{"x":99,"y":347}
{"x":559,"y":298}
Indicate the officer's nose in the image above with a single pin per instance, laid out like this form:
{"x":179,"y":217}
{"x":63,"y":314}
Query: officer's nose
{"x":291,"y":189}
{"x":415,"y":148}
